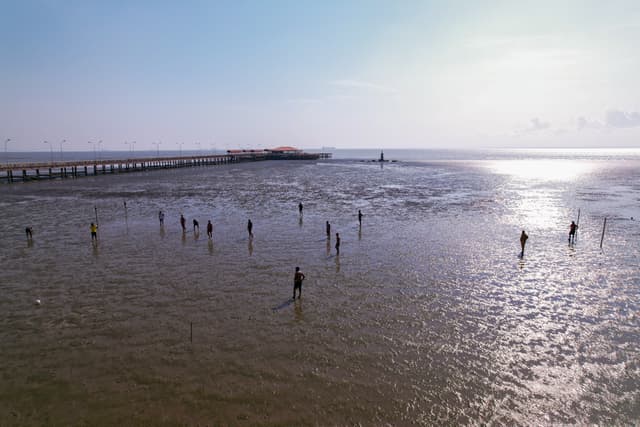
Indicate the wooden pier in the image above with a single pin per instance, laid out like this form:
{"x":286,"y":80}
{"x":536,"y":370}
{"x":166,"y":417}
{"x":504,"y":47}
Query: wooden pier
{"x":80,"y":168}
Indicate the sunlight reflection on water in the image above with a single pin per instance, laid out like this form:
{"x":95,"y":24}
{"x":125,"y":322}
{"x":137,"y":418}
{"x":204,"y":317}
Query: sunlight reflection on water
{"x":542,"y":169}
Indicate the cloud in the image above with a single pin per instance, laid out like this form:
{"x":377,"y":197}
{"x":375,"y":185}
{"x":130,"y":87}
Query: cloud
{"x":621,"y":119}
{"x":362,"y":85}
{"x":537,"y":125}
{"x":584,"y":123}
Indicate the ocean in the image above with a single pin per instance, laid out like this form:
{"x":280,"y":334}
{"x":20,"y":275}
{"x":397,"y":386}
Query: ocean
{"x":427,"y":316}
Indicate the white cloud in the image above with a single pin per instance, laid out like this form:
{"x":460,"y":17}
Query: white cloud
{"x":583,"y":123}
{"x":536,"y":125}
{"x":622,"y":119}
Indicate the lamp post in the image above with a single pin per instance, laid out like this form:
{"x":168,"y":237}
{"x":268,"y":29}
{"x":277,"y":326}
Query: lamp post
{"x":61,"y":142}
{"x":180,"y":145}
{"x":6,"y":156}
{"x":99,"y":150}
{"x":51,"y":147}
{"x":199,"y":148}
{"x":95,"y":156}
{"x":157,"y":144}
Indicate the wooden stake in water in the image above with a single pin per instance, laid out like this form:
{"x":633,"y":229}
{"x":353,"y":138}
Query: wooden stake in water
{"x":604,"y":226}
{"x":95,"y":209}
{"x":578,"y":220}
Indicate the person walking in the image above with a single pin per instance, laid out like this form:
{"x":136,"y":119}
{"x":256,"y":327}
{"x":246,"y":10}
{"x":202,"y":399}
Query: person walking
{"x":360,"y":217}
{"x":250,"y":228}
{"x":196,"y":225}
{"x":328,"y":227}
{"x":183,"y":223}
{"x":29,"y":232}
{"x":209,"y":229}
{"x":298,"y":277}
{"x":523,"y":241}
{"x":337,"y":243}
{"x":161,"y":218}
{"x":300,"y":208}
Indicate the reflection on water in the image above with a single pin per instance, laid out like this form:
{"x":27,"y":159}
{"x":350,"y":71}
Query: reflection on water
{"x":539,"y":208}
{"x":549,"y":170}
{"x":427,"y":318}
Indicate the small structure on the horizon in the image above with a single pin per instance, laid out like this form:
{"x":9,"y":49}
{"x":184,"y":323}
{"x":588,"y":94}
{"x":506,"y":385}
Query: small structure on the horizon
{"x":286,"y":150}
{"x":381,"y":156}
{"x":278,"y":153}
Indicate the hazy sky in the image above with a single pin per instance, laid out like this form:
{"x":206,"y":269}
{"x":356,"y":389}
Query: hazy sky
{"x":349,"y":74}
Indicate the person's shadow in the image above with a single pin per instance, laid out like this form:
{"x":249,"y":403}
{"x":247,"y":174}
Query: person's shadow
{"x":297,"y":310}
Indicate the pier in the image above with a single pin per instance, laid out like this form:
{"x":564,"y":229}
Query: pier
{"x":24,"y":172}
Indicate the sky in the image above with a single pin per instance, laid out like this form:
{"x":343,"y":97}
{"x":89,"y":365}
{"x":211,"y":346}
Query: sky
{"x":346,"y":74}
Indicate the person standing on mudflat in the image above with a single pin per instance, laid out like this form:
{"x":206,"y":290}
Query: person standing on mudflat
{"x":337,"y":243}
{"x":209,"y":229}
{"x":523,"y":241}
{"x":94,"y":231}
{"x":250,"y":228}
{"x":298,"y":277}
{"x":572,"y":232}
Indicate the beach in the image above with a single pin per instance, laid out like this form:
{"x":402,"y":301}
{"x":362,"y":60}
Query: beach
{"x":427,"y":316}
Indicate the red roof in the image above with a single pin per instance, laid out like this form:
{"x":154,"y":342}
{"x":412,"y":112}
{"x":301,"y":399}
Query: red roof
{"x":285,"y":148}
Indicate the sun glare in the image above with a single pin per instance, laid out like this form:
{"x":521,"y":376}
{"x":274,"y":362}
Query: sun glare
{"x":544,"y":170}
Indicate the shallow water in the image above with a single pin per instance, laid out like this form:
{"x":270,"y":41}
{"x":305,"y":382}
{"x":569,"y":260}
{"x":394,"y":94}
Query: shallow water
{"x":426,"y":317}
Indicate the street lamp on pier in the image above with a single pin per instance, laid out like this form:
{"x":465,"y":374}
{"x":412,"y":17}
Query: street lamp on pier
{"x":61,"y":142}
{"x":131,"y":146}
{"x":95,"y":156}
{"x":6,"y":156}
{"x":51,"y":147}
{"x":180,"y":145}
{"x":157,"y":144}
